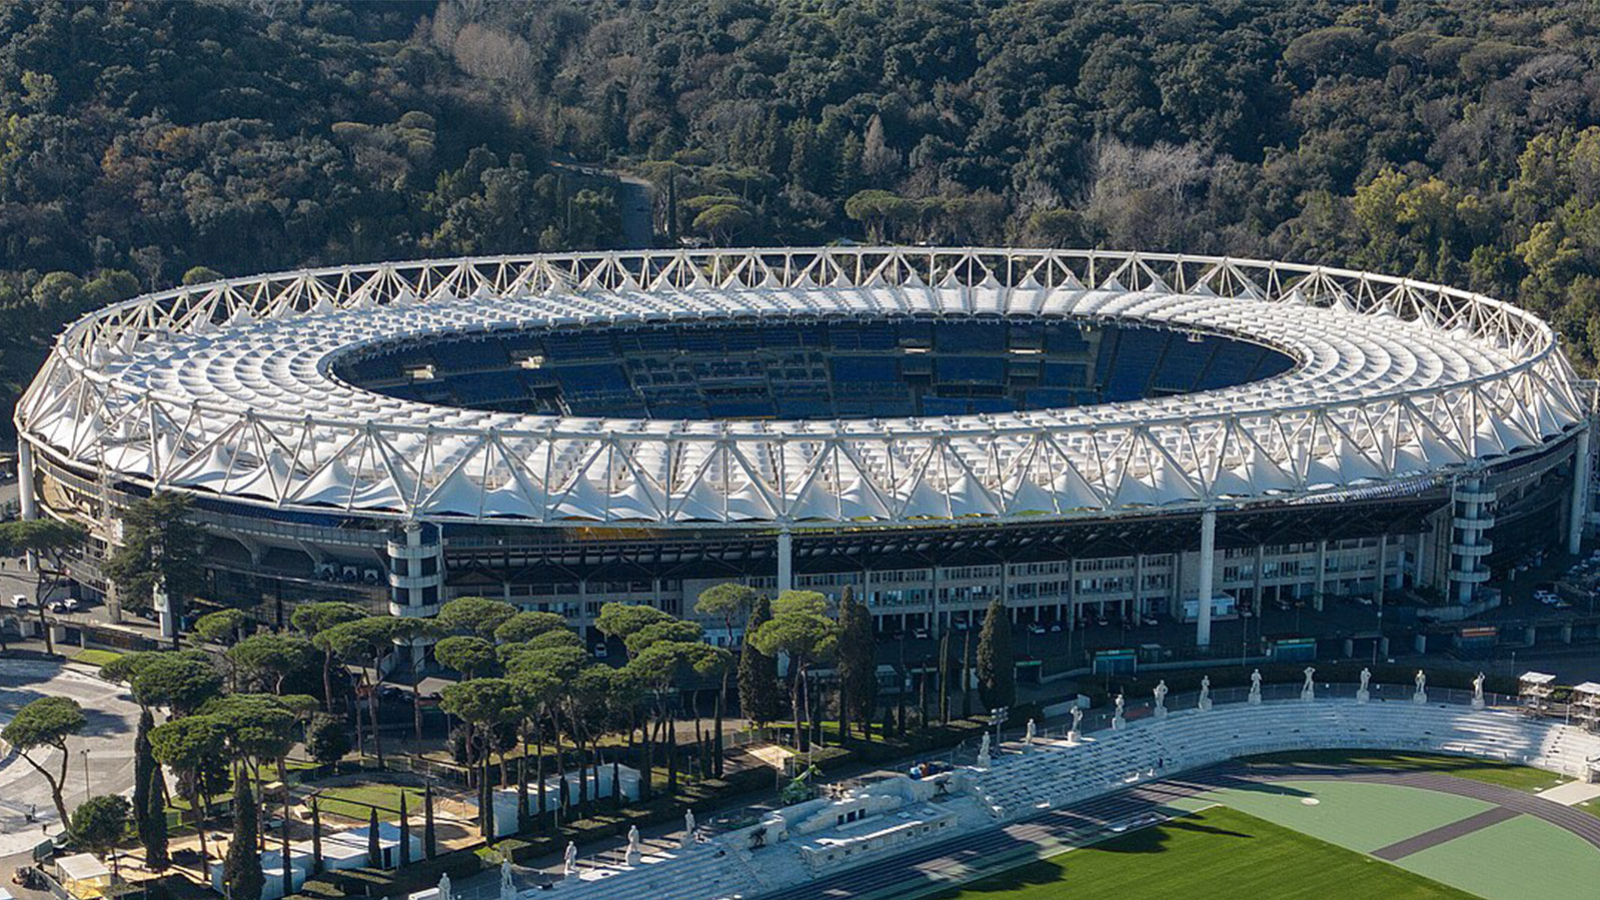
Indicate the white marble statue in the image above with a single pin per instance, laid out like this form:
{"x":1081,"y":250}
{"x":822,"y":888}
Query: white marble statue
{"x":1477,"y":691}
{"x":1161,"y":699}
{"x":508,"y":888}
{"x":1205,"y":693}
{"x":569,"y":866}
{"x":1117,"y":721}
{"x":445,"y":892}
{"x":1028,"y":736}
{"x":688,"y":829}
{"x":1077,"y":719}
{"x":635,"y":846}
{"x":1362,"y":694}
{"x":1421,"y":695}
{"x":1308,"y":691}
{"x":1255,"y":687}
{"x":983,"y":752}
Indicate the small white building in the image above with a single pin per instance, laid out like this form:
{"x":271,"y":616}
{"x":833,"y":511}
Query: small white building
{"x":505,"y":799}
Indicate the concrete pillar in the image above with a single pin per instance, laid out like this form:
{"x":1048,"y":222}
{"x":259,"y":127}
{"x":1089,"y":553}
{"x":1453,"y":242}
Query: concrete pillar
{"x":1421,"y":575}
{"x":1578,"y":508}
{"x":785,"y":561}
{"x":1566,"y":632}
{"x":1322,"y":572}
{"x":25,"y":499}
{"x":1208,"y":553}
{"x":1529,"y":635}
{"x":1257,"y":589}
{"x":1072,"y":594}
{"x":1383,"y":567}
{"x":1138,"y":584}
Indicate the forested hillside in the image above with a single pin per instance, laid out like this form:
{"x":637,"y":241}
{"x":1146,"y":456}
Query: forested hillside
{"x":1453,"y":141}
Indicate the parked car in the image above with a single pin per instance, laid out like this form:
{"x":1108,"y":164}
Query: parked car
{"x":1036,"y":628}
{"x":920,"y":634}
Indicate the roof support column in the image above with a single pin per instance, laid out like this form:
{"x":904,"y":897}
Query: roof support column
{"x":1580,"y":492}
{"x":785,"y":561}
{"x":1208,"y":552}
{"x":1322,"y":574}
{"x":25,"y":480}
{"x":25,"y":500}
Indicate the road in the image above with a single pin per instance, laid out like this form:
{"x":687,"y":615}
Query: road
{"x":635,"y":201}
{"x":107,"y":769}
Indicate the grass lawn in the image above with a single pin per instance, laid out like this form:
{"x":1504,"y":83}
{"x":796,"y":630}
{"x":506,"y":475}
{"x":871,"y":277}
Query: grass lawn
{"x":96,"y":657}
{"x":1519,"y":778}
{"x":1592,"y":807}
{"x":1215,"y":854}
{"x":354,"y":801}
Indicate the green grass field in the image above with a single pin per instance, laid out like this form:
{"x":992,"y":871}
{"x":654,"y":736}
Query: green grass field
{"x":1216,"y":853}
{"x":354,"y":801}
{"x":1519,"y":778}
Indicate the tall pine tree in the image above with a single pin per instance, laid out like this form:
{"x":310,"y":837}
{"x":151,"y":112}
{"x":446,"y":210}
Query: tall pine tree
{"x":316,"y":836}
{"x":241,"y":868}
{"x":758,"y":673}
{"x":997,"y":673}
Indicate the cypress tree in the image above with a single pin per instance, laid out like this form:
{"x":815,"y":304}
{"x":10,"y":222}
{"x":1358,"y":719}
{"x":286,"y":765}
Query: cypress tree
{"x":405,"y":832}
{"x":316,"y":835}
{"x":149,"y":808}
{"x":758,"y":673}
{"x":944,"y":678}
{"x":858,"y":665}
{"x":287,"y":869}
{"x":374,"y":848}
{"x":966,"y":675}
{"x":997,"y":674}
{"x":241,"y":868}
{"x":429,"y":848}
{"x":155,"y":842}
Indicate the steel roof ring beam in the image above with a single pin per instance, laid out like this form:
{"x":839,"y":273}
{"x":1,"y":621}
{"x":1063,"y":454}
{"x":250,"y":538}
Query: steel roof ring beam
{"x":226,"y":389}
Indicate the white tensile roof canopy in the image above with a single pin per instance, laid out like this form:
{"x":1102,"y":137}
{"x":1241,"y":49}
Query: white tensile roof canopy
{"x":226,"y":389}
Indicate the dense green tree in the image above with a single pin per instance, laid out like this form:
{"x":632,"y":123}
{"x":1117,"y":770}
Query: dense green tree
{"x":801,"y":629}
{"x":195,"y":748}
{"x":327,"y":738}
{"x":265,"y":660}
{"x":161,"y":550}
{"x":100,"y":823}
{"x":148,"y":808}
{"x":223,"y":626}
{"x":51,"y":541}
{"x":528,"y":625}
{"x":311,"y":619}
{"x":241,"y":867}
{"x":858,"y":665}
{"x":997,"y":673}
{"x":758,"y":672}
{"x":477,"y":616}
{"x":176,"y":680}
{"x":43,"y":725}
{"x":466,"y":654}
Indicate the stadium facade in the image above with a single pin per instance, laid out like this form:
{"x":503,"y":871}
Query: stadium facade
{"x":1084,"y":432}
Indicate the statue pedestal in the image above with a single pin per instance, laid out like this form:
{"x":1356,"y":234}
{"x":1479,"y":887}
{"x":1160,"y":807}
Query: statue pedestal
{"x":1161,"y":712}
{"x":1477,"y":703}
{"x":1308,"y":695}
{"x":1419,"y":698}
{"x":984,"y":760}
{"x":1255,"y":699}
{"x":1119,"y":723}
{"x":1073,"y":737}
{"x":1363,"y":696}
{"x":1205,"y":704}
{"x":634,"y":856}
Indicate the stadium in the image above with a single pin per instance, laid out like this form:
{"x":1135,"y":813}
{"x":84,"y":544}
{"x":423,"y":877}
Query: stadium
{"x":1083,"y":432}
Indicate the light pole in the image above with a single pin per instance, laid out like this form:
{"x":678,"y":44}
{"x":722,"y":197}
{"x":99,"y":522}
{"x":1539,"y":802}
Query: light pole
{"x":85,"y":754}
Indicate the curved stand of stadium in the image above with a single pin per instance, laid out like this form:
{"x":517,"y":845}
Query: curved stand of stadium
{"x":1086,"y":433}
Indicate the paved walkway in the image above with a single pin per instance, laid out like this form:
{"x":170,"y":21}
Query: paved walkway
{"x":974,"y":855}
{"x":1494,"y":815}
{"x":1572,"y":793}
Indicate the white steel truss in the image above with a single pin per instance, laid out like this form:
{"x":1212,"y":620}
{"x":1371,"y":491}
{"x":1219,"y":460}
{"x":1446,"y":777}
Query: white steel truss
{"x":225,"y":389}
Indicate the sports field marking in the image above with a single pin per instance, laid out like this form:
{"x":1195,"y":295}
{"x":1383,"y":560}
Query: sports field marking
{"x":1433,"y":837}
